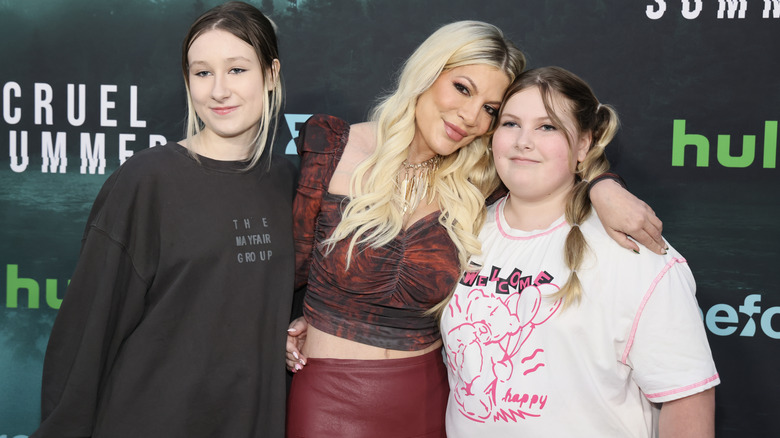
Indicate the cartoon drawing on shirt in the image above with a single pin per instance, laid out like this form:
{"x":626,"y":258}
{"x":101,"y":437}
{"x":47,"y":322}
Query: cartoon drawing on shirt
{"x":492,"y":339}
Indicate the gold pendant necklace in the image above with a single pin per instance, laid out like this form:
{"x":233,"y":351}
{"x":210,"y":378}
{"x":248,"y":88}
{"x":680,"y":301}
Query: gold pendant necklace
{"x":416,"y":182}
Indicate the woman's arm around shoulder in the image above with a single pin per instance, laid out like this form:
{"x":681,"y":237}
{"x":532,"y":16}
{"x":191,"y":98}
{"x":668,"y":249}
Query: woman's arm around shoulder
{"x":626,"y":217}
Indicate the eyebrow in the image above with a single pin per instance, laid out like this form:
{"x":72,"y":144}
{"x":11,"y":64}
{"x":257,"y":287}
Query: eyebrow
{"x":232,"y":59}
{"x":238,"y":58}
{"x":534,"y":120}
{"x":476,"y":89}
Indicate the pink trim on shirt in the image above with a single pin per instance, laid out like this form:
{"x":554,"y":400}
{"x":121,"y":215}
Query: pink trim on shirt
{"x":683,"y":389}
{"x":509,"y":236}
{"x":649,"y":292}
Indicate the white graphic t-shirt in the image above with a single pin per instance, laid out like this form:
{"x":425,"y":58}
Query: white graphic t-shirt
{"x":519,"y":364}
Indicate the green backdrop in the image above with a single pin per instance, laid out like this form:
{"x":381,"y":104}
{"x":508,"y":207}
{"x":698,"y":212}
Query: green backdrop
{"x":695,"y":82}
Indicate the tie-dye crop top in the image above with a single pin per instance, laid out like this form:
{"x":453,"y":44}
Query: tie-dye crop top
{"x":382,"y":298}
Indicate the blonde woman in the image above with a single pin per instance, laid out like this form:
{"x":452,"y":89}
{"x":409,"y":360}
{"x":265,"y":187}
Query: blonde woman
{"x":555,"y":331}
{"x":387,"y":216}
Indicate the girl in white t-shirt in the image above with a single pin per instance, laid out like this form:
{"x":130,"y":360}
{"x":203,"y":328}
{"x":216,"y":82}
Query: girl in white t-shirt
{"x":559,"y":331}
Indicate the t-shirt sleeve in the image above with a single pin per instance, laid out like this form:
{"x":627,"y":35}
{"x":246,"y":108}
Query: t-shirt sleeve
{"x":320,"y":145}
{"x":668,"y":348}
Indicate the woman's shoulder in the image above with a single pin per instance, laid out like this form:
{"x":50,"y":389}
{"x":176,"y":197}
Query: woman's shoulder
{"x":325,"y":121}
{"x":146,"y":163}
{"x":155,"y":153}
{"x":362,"y":139}
{"x":322,"y":134}
{"x":612,"y":256}
{"x":136,"y":181}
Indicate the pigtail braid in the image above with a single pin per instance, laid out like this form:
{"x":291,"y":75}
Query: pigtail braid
{"x":578,"y":206}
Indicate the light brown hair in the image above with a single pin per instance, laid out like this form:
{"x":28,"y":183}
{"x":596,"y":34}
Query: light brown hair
{"x":561,"y":86}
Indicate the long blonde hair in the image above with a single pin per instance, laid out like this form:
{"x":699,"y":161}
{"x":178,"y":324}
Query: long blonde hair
{"x":250,"y":25}
{"x":464,"y":178}
{"x":590,"y":117}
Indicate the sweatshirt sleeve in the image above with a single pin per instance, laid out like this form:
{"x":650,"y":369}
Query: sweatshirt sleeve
{"x":103,"y":304}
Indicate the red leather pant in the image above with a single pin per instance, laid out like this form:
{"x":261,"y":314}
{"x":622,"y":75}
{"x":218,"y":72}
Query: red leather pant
{"x":392,"y":398}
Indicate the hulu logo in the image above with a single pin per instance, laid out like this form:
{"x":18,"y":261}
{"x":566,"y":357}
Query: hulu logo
{"x":681,"y":139}
{"x":14,"y":284}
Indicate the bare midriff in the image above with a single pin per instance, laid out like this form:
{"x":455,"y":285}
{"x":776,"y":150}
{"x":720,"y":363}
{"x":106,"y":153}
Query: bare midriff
{"x":324,"y":345}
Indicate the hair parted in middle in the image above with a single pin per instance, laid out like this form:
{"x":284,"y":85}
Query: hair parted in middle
{"x":562,"y":88}
{"x":464,"y":178}
{"x":249,"y":25}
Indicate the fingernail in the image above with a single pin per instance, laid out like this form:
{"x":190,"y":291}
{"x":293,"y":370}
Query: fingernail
{"x":298,"y":367}
{"x":302,"y":362}
{"x":290,"y":330}
{"x":635,"y":251}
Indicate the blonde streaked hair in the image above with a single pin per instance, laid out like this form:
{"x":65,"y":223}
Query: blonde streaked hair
{"x":567,"y":90}
{"x":250,"y":25}
{"x":464,"y":178}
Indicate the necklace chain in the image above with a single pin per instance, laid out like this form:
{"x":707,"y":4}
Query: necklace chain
{"x":415,"y":182}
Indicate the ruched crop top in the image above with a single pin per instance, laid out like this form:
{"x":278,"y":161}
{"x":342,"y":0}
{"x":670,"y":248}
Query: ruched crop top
{"x":382,"y":298}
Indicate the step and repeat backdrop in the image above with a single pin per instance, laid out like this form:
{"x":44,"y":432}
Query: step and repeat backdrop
{"x":87,"y":83}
